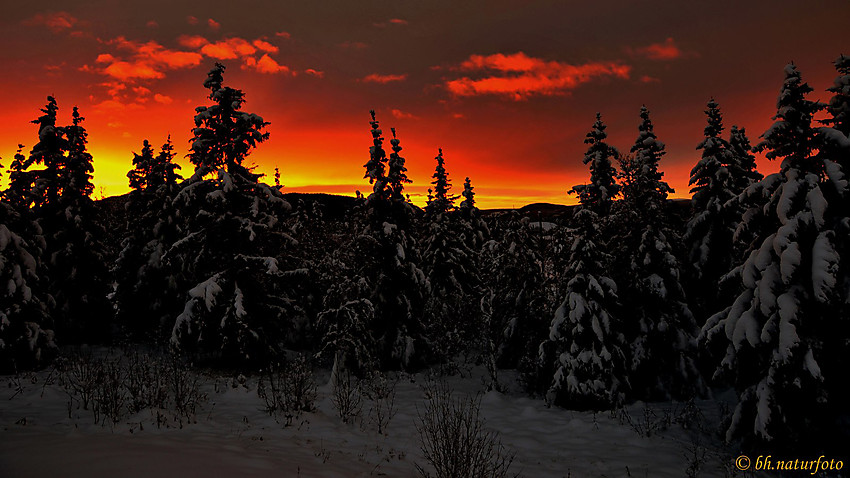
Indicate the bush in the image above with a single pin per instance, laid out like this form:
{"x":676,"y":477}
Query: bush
{"x":454,"y":440}
{"x":114,"y":388}
{"x":381,"y":391}
{"x":288,"y":389}
{"x":347,"y":397}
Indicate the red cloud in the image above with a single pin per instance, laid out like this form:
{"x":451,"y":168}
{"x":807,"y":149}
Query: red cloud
{"x":661,"y":51}
{"x":213,"y":24}
{"x":524,"y":76}
{"x":155,"y":53}
{"x":55,"y":21}
{"x":376,"y":78}
{"x":192,"y":41}
{"x":266,"y":65}
{"x":316,"y":73}
{"x":192,"y":20}
{"x":391,"y":21}
{"x":515,"y":62}
{"x":285,"y":35}
{"x":228,"y":49}
{"x":399,"y":114}
{"x":162,"y":99}
{"x":124,"y":70}
{"x":265,"y":46}
{"x":148,"y":60}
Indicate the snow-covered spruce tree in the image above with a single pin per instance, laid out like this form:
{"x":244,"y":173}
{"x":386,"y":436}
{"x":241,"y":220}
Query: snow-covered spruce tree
{"x":585,"y":348}
{"x":658,"y":324}
{"x":78,"y":271}
{"x":473,"y":227}
{"x":22,"y":193}
{"x":242,"y":306}
{"x":442,"y":201}
{"x":74,"y":254}
{"x":467,"y":206}
{"x":142,"y":165}
{"x":839,"y":105}
{"x":390,"y":262}
{"x":26,"y":335}
{"x":448,"y":263}
{"x":785,"y":335}
{"x":145,"y":295}
{"x":49,"y":153}
{"x":396,"y":170}
{"x":599,"y":193}
{"x":754,"y":193}
{"x":513,"y":306}
{"x":742,"y":160}
{"x":346,"y":320}
{"x":835,"y":148}
{"x":836,"y":153}
{"x":716,"y":180}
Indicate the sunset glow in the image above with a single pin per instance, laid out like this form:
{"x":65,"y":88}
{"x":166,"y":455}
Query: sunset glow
{"x":507,"y":91}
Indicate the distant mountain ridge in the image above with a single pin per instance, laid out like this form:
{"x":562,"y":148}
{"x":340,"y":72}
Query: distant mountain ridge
{"x":335,"y":206}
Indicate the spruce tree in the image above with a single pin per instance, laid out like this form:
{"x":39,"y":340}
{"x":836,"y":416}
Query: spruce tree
{"x":836,"y":147}
{"x":442,"y":201}
{"x":585,"y":350}
{"x":396,"y":171}
{"x":659,"y":325}
{"x":449,"y":265}
{"x":742,"y":161}
{"x":376,"y":168}
{"x":467,"y":206}
{"x":75,"y":245}
{"x":146,"y":295}
{"x":600,"y":192}
{"x":26,"y":335}
{"x":74,"y":254}
{"x":785,"y":336}
{"x":242,"y":301}
{"x":142,"y":165}
{"x":49,"y":153}
{"x":512,"y":303}
{"x":839,"y":105}
{"x":78,"y":168}
{"x":22,"y":193}
{"x":390,"y":266}
{"x":715,"y":179}
{"x":473,"y":227}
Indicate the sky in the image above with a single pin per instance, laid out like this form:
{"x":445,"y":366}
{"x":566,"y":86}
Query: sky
{"x":508,"y":89}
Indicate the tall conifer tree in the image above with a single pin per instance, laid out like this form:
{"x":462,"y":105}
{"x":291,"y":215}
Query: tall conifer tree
{"x":784,"y":332}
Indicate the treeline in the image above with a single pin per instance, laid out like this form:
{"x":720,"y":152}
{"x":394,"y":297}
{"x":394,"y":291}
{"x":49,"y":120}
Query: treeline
{"x":623,"y":302}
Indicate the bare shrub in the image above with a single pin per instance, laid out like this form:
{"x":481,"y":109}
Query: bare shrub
{"x":649,"y":423}
{"x":380,"y":390}
{"x":146,"y":383}
{"x":81,"y":378}
{"x":346,"y":396}
{"x":113,"y":388}
{"x":184,"y":390}
{"x":454,"y":440}
{"x":288,"y":390}
{"x":695,"y":455}
{"x":110,"y":393}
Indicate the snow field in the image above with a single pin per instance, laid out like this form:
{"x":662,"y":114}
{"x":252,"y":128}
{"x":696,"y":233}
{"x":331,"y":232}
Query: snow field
{"x":232,"y":435}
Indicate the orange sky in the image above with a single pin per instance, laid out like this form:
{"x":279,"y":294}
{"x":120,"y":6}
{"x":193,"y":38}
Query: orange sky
{"x":507,"y":89}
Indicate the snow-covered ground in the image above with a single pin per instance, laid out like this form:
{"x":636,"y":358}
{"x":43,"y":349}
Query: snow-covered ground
{"x":232,"y":435}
